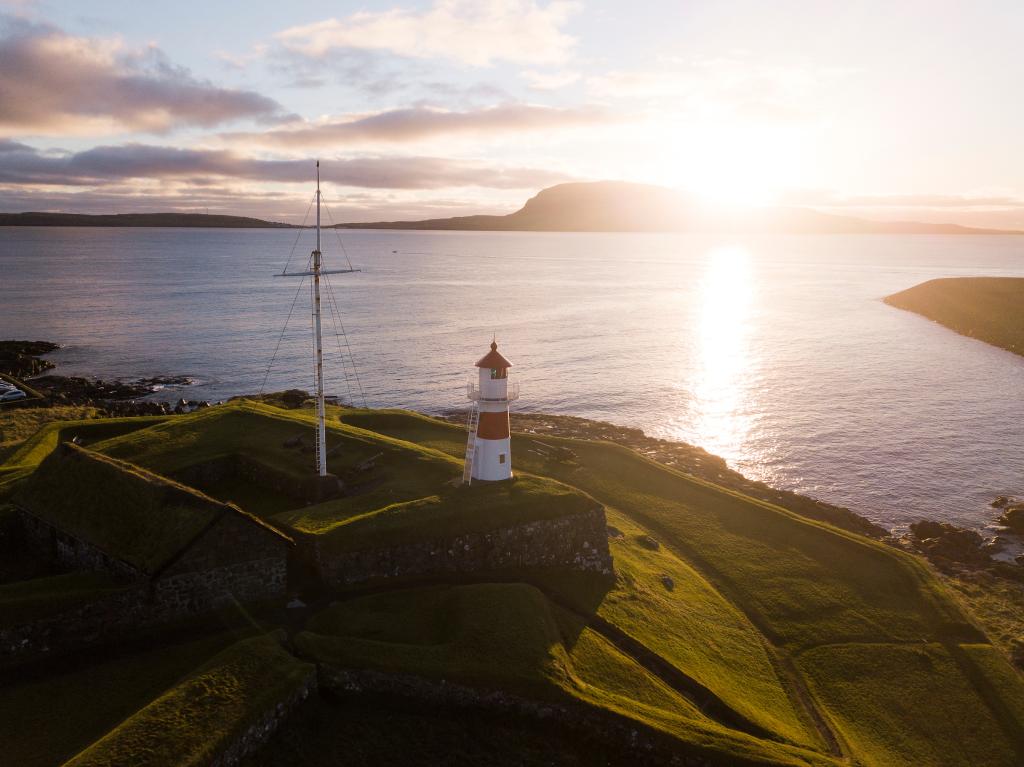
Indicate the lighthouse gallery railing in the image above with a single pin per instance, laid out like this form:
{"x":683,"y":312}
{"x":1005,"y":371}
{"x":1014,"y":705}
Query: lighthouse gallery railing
{"x":473,"y":393}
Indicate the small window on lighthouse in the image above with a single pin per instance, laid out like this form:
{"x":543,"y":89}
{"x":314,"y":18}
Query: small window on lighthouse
{"x":498,"y":373}
{"x":501,"y":458}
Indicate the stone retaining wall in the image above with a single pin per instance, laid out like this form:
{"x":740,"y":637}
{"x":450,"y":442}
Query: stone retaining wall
{"x":643,"y":745}
{"x":579,"y":541}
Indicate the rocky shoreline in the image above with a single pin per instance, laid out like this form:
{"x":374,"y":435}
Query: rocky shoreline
{"x":24,"y":360}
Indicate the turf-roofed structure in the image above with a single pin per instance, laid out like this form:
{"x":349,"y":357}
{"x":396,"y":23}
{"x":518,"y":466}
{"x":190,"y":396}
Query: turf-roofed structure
{"x":92,"y":512}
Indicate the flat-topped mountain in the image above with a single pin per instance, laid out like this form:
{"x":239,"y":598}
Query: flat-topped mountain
{"x":619,"y":206}
{"x":139,"y":219}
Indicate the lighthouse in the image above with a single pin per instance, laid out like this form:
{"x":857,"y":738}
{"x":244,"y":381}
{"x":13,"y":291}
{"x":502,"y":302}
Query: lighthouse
{"x":489,"y":448}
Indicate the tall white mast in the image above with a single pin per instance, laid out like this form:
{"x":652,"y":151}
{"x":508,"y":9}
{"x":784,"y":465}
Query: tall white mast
{"x":321,"y":428}
{"x":317,"y":258}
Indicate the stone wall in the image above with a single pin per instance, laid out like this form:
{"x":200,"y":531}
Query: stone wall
{"x":579,"y":541}
{"x":104,"y":619}
{"x":235,"y":560}
{"x":67,"y":551}
{"x":265,"y":724}
{"x":628,"y":740}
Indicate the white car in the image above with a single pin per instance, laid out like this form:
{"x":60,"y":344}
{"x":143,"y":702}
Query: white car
{"x":11,"y":395}
{"x":4,"y":386}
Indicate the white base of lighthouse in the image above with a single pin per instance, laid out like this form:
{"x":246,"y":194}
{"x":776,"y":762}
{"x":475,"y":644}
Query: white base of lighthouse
{"x":492,"y":460}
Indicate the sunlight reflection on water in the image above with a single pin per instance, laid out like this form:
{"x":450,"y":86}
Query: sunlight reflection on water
{"x":719,"y":383}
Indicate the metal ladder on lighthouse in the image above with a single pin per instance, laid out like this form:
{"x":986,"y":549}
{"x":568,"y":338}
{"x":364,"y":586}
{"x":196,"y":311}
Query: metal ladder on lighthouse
{"x":467,"y":471}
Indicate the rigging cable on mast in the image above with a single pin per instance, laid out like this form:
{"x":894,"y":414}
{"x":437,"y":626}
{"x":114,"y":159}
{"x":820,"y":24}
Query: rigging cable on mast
{"x":336,"y":312}
{"x":287,"y":263}
{"x":266,"y":375}
{"x":336,"y":317}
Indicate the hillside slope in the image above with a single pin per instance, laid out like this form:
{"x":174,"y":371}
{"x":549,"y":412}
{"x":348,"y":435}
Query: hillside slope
{"x":839,"y":615}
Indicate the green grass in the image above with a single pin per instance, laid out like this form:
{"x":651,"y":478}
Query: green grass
{"x":47,"y":721}
{"x":508,"y":637}
{"x":32,"y":452}
{"x":1004,"y":683}
{"x":692,"y":626}
{"x":407,"y":493}
{"x":800,"y":584}
{"x":26,"y":601}
{"x":193,"y":720}
{"x":127,"y":512}
{"x":352,"y":524}
{"x":17,"y":425}
{"x":986,"y":308}
{"x":911,"y":705}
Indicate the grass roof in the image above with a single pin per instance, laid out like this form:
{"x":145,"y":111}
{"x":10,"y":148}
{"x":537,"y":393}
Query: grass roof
{"x":192,"y":722}
{"x":57,"y":715}
{"x":127,"y":512}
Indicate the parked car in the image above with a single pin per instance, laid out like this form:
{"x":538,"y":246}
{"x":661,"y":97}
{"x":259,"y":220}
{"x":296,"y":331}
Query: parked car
{"x":11,"y":395}
{"x":4,"y":386}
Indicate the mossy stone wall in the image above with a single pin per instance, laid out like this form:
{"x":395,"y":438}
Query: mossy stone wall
{"x":579,"y":541}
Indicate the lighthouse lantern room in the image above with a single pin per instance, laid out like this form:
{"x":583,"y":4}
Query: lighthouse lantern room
{"x":489,"y":449}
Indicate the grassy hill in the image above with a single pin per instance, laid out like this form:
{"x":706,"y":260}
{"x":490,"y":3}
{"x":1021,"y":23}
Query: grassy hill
{"x":747,"y":633}
{"x":986,"y":308}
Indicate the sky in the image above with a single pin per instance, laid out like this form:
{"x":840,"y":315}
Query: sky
{"x":908,"y":110}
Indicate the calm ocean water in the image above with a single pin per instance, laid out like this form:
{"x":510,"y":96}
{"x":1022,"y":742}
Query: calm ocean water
{"x":776,"y":353}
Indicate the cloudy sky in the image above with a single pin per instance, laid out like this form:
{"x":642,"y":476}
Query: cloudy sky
{"x":907,"y":110}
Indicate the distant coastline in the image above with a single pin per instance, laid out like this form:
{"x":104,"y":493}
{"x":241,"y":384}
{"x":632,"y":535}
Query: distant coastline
{"x":985,"y":308}
{"x":181,"y":220}
{"x":599,"y":206}
{"x":618,"y":206}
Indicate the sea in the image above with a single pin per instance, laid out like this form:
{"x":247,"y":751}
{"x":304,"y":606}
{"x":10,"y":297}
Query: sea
{"x":775,"y":352}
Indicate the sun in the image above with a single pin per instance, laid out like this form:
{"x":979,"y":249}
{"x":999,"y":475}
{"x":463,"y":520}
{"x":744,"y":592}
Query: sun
{"x":731,"y":164}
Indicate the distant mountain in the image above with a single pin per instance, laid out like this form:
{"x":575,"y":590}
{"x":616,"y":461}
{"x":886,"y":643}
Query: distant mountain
{"x":619,"y":206}
{"x":138,"y":219}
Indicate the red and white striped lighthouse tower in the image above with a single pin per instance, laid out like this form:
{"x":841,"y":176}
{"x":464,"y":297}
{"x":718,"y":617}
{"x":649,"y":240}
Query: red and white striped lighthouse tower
{"x":489,"y":449}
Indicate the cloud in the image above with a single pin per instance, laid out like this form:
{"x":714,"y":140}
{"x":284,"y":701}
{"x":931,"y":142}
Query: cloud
{"x":23,"y":165}
{"x":418,"y":123}
{"x":473,"y":32}
{"x":52,"y":82}
{"x":550,"y":81}
{"x":728,"y":86}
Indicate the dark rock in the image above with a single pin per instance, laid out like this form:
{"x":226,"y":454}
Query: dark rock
{"x":1019,"y":559}
{"x":21,"y":358}
{"x":941,"y":541}
{"x":648,"y":542}
{"x":667,"y":582}
{"x":1013,"y":517}
{"x":1000,"y":502}
{"x":615,"y":533}
{"x":927,"y":528}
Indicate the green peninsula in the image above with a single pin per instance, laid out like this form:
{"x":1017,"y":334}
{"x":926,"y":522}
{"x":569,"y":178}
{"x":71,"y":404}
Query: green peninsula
{"x":990,"y":309}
